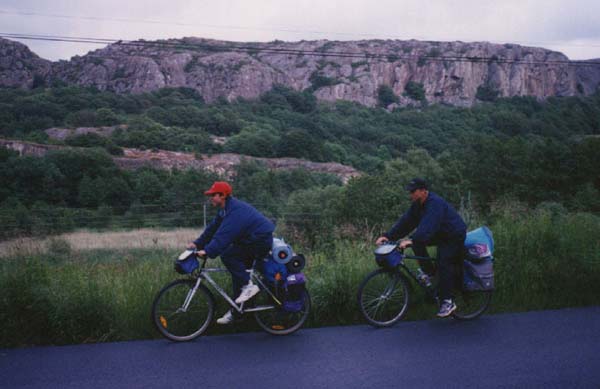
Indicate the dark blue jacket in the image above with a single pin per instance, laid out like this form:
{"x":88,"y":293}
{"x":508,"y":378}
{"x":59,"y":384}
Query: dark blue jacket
{"x":434,"y":218}
{"x":237,"y":223}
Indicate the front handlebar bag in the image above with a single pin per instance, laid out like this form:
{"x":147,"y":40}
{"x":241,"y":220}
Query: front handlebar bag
{"x":187,"y":265}
{"x":387,"y":256}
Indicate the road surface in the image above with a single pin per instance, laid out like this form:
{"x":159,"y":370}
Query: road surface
{"x":549,"y":349}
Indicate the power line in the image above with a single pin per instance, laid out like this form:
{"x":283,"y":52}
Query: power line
{"x":387,"y":56}
{"x":254,"y":28}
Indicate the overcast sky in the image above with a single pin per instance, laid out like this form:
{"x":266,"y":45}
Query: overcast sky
{"x":571,"y":27}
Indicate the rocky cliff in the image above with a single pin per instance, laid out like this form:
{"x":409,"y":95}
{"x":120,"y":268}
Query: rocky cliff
{"x":454,"y":73}
{"x":19,"y":67}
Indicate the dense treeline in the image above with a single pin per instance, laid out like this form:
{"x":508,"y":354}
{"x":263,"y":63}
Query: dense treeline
{"x":68,"y":189}
{"x":496,"y":152}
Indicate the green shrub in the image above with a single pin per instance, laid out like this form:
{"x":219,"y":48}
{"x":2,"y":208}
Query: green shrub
{"x":486,"y":93}
{"x":59,"y":247}
{"x":415,"y":91}
{"x":386,"y":95}
{"x":318,"y":80}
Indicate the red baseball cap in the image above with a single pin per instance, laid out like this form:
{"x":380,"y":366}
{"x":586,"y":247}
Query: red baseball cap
{"x":219,"y":187}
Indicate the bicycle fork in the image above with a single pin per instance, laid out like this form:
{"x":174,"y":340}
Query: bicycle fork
{"x":190,"y":296}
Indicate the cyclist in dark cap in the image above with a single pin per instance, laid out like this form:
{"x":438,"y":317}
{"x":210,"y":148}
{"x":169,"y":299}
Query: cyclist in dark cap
{"x":435,"y":222}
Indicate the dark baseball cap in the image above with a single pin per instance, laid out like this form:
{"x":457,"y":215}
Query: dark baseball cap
{"x":416,"y":183}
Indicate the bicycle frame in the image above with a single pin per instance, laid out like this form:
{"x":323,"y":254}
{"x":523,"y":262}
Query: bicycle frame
{"x":409,"y":272}
{"x":204,"y":275}
{"x":405,"y":270}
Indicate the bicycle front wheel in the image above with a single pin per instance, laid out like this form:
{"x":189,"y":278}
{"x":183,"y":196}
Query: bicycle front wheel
{"x":181,"y":315}
{"x":383,"y":297}
{"x":277,"y":321}
{"x":471,"y":305}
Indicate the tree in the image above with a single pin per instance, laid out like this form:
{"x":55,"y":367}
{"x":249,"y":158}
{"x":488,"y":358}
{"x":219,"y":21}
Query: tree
{"x":106,"y":117}
{"x":415,"y":91}
{"x":300,"y":144}
{"x":148,"y":186}
{"x":386,"y":95}
{"x":486,"y":93}
{"x":254,"y":141}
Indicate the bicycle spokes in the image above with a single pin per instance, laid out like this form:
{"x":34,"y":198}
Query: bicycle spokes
{"x":383,"y":297}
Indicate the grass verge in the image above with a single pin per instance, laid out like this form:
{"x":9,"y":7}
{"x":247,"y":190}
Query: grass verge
{"x":67,"y":295}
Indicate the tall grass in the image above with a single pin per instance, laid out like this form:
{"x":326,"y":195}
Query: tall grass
{"x":69,"y":295}
{"x":90,"y":240}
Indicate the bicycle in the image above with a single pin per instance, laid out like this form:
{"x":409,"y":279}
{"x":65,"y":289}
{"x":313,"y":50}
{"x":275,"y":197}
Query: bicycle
{"x":383,"y":295}
{"x":184,"y":308}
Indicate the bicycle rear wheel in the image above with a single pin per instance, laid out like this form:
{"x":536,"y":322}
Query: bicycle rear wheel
{"x":471,"y":305}
{"x":277,"y":321}
{"x":169,"y":316}
{"x":383,"y":297}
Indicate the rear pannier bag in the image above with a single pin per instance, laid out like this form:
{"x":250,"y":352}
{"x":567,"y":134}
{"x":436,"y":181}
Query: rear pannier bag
{"x":479,"y":243}
{"x":478,"y":275}
{"x":478,"y":271}
{"x":294,"y":301}
{"x":271,"y":268}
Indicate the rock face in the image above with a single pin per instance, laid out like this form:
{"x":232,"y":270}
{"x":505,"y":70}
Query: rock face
{"x":19,"y":67}
{"x":455,"y":73}
{"x":222,"y":164}
{"x":588,"y":77}
{"x":64,"y":133}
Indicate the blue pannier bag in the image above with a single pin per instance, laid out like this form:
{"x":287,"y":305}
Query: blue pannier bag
{"x":478,"y":266}
{"x":294,"y":298}
{"x":270,"y":269}
{"x":478,"y":275}
{"x":479,"y":244}
{"x":187,"y":262}
{"x":387,"y":256}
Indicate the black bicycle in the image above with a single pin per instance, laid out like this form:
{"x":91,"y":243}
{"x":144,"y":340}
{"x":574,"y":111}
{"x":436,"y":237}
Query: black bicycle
{"x":184,"y":308}
{"x":383,"y":295}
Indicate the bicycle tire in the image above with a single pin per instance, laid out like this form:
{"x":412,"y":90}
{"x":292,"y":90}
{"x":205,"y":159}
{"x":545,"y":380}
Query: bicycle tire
{"x":471,"y":305}
{"x":377,"y":290}
{"x":182,"y":326}
{"x":279,"y":322}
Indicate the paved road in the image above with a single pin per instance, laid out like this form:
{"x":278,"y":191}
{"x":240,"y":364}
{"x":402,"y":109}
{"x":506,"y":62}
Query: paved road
{"x":538,"y":349}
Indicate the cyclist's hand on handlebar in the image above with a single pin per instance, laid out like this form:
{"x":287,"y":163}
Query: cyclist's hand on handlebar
{"x":201,"y":253}
{"x":191,"y":246}
{"x":381,"y":240}
{"x":405,"y":243}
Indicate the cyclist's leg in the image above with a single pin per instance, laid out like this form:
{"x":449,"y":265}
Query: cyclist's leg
{"x":449,"y":254}
{"x":235,"y":259}
{"x":427,"y":266}
{"x":257,"y":252}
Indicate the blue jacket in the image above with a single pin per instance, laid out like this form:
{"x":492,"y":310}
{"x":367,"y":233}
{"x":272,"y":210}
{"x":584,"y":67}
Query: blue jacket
{"x":237,"y":223}
{"x":434,"y":218}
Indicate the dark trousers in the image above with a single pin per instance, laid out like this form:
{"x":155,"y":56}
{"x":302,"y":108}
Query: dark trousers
{"x":450,"y":254}
{"x":237,"y":258}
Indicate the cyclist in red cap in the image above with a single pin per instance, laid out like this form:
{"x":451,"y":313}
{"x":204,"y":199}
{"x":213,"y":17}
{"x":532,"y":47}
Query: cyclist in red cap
{"x":239,"y":234}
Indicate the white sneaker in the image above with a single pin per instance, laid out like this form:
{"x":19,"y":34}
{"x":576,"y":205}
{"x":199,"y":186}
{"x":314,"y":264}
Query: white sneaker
{"x":248,"y":291}
{"x":226,"y":318}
